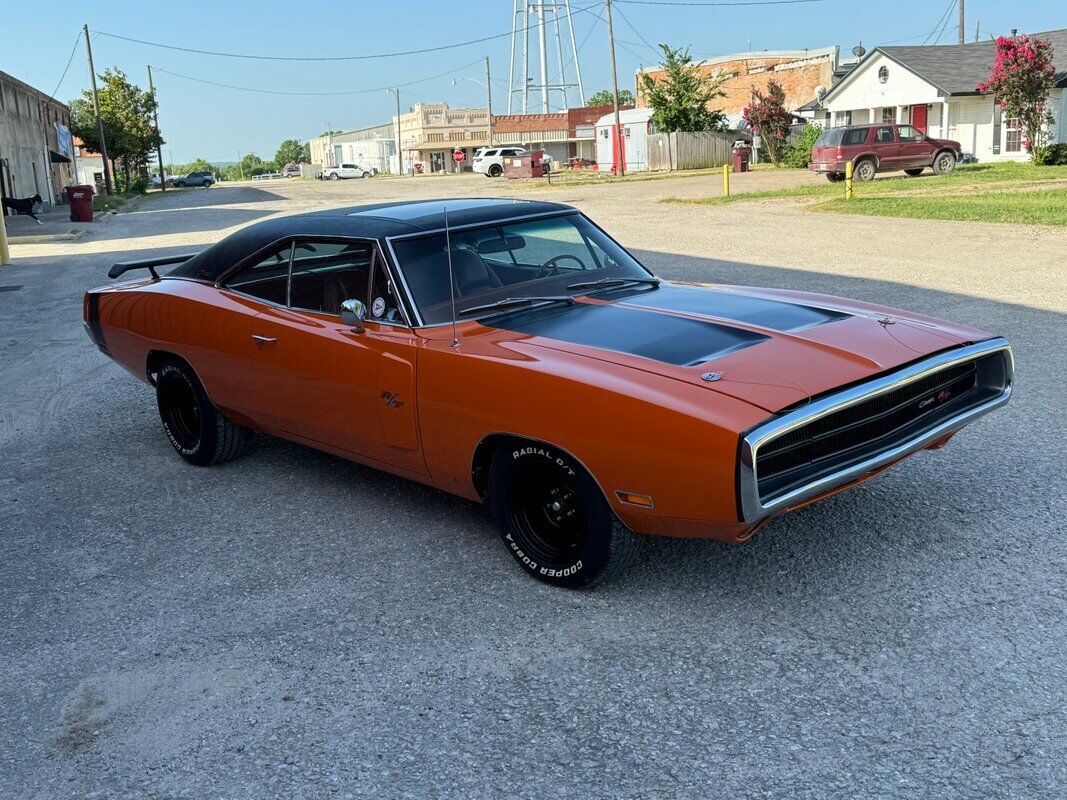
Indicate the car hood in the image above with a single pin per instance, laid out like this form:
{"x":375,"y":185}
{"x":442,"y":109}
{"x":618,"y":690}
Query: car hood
{"x":770,"y":348}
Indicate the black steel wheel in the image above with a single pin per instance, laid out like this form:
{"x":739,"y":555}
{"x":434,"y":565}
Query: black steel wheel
{"x":200,"y":433}
{"x":553,"y":517}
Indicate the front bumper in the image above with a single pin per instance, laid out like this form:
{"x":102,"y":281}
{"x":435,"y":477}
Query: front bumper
{"x":754,"y":507}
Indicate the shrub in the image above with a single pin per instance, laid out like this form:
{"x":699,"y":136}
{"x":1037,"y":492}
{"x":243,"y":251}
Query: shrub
{"x":1052,"y":155}
{"x":799,"y":153}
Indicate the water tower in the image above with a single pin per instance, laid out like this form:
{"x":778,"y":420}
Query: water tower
{"x":553,"y":24}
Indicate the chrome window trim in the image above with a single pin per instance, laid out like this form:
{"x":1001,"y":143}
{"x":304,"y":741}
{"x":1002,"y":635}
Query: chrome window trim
{"x":220,"y":282}
{"x":753,"y":509}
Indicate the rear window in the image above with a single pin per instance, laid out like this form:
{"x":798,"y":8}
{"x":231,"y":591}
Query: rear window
{"x":855,"y":136}
{"x":830,"y":138}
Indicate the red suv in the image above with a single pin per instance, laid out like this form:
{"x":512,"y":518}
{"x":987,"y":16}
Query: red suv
{"x":881,"y":148}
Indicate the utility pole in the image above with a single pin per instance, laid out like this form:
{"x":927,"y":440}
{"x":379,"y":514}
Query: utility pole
{"x":399,"y":154}
{"x":541,"y":34}
{"x":962,"y":34}
{"x":615,"y":88}
{"x":159,"y":147}
{"x":96,"y":108}
{"x":240,"y":165}
{"x":977,"y":30}
{"x":488,"y":100}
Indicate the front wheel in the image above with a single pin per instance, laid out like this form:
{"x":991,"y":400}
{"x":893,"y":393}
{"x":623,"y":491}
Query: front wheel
{"x":944,"y":163}
{"x":554,"y":519}
{"x":195,"y":427}
{"x":206,"y":184}
{"x":365,"y":175}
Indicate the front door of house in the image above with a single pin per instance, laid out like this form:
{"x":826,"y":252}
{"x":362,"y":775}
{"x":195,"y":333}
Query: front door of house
{"x":918,"y":117}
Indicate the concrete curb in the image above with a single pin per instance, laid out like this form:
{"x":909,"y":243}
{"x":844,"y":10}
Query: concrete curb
{"x":40,"y":238}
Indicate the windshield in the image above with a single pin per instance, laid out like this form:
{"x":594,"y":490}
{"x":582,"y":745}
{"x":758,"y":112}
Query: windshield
{"x":509,"y":260}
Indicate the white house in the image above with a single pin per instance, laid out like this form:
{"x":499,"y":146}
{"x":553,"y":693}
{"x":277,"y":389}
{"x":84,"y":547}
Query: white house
{"x":630,"y":145}
{"x":935,"y":88}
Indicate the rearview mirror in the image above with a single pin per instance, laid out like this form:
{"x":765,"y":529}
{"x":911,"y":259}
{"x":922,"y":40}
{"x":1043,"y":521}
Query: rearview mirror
{"x":353,"y":312}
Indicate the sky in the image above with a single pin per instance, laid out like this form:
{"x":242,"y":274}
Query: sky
{"x":199,"y":120}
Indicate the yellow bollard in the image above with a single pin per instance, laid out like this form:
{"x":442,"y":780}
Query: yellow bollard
{"x":725,"y":180}
{"x":848,"y":181}
{"x":5,"y":254}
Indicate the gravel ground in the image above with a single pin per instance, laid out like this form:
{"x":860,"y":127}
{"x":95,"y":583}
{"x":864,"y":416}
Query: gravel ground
{"x":293,"y":625}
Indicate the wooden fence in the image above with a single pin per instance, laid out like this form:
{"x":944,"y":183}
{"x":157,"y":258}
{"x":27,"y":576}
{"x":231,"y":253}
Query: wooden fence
{"x":669,"y":151}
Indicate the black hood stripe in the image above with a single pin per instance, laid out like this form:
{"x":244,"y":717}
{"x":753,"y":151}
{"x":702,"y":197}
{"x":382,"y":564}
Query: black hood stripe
{"x":673,"y":340}
{"x":757,"y":311}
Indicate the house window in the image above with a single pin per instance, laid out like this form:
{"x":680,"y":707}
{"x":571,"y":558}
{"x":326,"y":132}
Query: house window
{"x":1013,"y":135}
{"x":889,"y":115}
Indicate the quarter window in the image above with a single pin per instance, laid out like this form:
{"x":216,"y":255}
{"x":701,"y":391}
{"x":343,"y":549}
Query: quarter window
{"x":267,"y":278}
{"x":855,"y":137}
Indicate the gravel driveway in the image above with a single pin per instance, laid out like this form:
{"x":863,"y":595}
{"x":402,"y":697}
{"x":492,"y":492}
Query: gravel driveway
{"x":294,"y":625}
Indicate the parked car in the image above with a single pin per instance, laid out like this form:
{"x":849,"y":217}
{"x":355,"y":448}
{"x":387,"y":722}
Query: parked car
{"x":345,"y":171}
{"x":201,"y":178}
{"x":881,"y":148}
{"x":489,"y":161}
{"x":156,"y":182}
{"x":291,"y":171}
{"x":514,"y":353}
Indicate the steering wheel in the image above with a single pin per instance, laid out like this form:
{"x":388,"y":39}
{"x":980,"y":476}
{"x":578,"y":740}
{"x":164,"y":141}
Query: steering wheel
{"x":553,"y":265}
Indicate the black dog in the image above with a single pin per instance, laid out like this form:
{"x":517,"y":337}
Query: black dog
{"x":24,"y":206}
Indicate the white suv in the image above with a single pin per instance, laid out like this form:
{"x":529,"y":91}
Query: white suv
{"x":490,"y":160}
{"x":345,"y":171}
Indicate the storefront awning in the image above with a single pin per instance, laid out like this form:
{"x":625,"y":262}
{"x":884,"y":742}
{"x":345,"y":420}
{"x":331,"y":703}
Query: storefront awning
{"x":57,"y":158}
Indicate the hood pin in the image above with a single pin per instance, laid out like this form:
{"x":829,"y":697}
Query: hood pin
{"x":711,"y":377}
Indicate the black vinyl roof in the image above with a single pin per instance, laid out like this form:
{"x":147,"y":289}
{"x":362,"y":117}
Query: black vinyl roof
{"x":376,"y":221}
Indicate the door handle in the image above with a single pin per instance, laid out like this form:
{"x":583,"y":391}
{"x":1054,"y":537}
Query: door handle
{"x":263,"y":339}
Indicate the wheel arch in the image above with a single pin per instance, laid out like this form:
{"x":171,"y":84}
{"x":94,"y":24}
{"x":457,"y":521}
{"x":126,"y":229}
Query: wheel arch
{"x":482,"y":459}
{"x":155,"y":360}
{"x":869,"y":156}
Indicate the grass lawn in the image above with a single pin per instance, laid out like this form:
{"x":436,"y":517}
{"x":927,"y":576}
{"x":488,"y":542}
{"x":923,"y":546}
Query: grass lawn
{"x":1004,"y":192}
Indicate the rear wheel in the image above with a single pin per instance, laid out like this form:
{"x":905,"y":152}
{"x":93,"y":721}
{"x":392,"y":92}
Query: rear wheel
{"x":495,"y":171}
{"x":834,"y":177}
{"x":915,"y":173}
{"x":197,"y":430}
{"x":865,"y":170}
{"x":366,"y":174}
{"x":334,"y":176}
{"x":553,"y":517}
{"x":944,"y":162}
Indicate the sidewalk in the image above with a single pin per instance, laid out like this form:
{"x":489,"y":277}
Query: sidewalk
{"x":56,"y":227}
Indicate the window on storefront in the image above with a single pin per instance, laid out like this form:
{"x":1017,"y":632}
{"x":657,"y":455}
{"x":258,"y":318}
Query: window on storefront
{"x":1013,"y":135}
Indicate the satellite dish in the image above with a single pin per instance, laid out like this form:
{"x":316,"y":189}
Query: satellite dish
{"x":820,"y":92}
{"x":859,"y":51}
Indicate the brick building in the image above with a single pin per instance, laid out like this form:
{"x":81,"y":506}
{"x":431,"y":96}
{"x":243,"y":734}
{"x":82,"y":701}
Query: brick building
{"x":563,"y":135}
{"x":800,"y":73}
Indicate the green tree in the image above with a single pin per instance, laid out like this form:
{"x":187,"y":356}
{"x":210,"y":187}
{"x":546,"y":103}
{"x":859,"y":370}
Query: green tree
{"x":798,"y":155}
{"x":126,"y":114}
{"x":292,"y":152}
{"x":197,"y":165}
{"x":681,"y":99}
{"x":330,"y":133}
{"x":605,"y":98}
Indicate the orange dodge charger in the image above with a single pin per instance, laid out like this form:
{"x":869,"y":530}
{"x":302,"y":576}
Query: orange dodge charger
{"x":511,"y":351}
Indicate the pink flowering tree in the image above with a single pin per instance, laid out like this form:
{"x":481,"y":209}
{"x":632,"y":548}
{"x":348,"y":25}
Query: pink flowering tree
{"x":767,"y":116}
{"x":1021,"y":80}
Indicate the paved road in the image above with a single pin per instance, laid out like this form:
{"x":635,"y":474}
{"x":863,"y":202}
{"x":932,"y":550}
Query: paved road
{"x":293,"y":625}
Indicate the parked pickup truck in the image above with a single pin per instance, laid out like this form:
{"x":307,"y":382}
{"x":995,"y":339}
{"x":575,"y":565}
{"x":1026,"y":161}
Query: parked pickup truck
{"x":881,"y":148}
{"x":345,"y":171}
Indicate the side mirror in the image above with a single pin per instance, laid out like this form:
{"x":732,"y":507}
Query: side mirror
{"x":353,"y":312}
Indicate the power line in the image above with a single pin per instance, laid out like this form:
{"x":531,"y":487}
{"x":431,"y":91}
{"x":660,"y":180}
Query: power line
{"x":940,"y":19}
{"x":256,"y":57}
{"x":639,"y":34}
{"x":316,"y":94}
{"x":73,"y":50}
{"x":715,"y":5}
{"x":944,"y":25}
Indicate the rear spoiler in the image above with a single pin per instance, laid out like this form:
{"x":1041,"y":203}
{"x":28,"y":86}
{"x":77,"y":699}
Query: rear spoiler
{"x":147,"y":263}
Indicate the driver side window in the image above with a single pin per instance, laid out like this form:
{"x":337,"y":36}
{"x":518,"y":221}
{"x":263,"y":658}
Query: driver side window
{"x":325,"y":274}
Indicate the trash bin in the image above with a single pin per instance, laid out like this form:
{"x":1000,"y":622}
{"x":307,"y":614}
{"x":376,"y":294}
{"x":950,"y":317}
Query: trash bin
{"x":81,"y":203}
{"x":741,"y":158}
